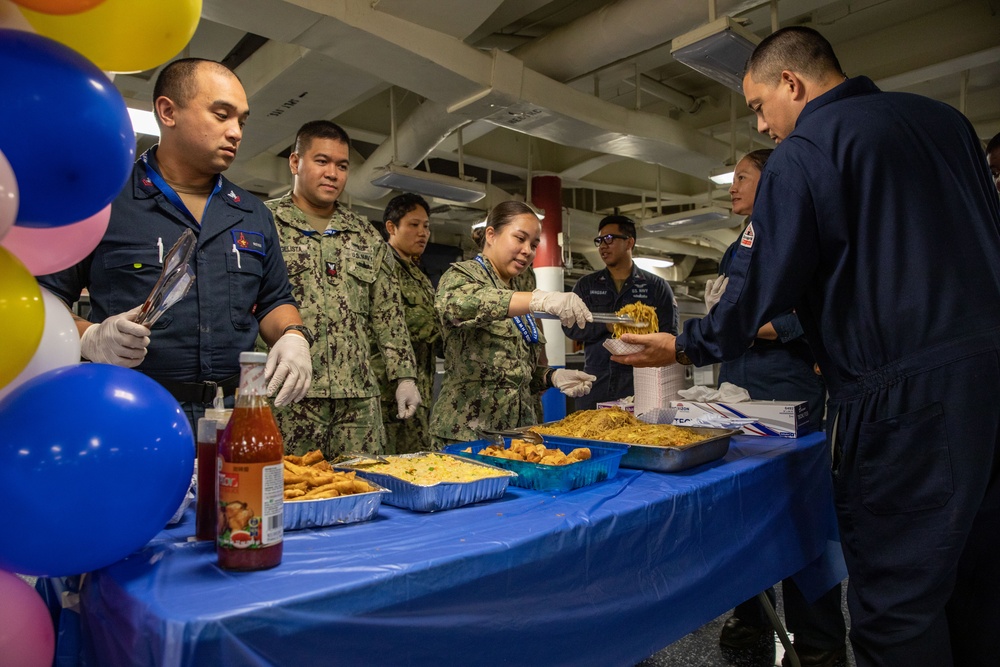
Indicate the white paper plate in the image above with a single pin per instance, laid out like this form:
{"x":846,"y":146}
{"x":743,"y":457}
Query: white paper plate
{"x":618,"y":346}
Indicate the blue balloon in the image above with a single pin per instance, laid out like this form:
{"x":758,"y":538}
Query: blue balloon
{"x":94,"y":460}
{"x":64,"y":128}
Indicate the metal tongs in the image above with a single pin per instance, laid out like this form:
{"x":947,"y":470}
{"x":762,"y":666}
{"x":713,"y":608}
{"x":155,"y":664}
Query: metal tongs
{"x":497,"y":435}
{"x":370,"y":459}
{"x":602,"y":318}
{"x":175,"y":280}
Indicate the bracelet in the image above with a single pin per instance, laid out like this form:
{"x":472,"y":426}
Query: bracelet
{"x":302,"y":329}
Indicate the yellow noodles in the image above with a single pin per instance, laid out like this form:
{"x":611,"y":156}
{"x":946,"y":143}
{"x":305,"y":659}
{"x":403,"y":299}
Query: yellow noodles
{"x":616,"y":425}
{"x":433,"y":468}
{"x":640,"y":312}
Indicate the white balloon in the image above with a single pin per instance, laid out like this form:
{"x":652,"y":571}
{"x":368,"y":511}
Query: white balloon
{"x":60,"y":344}
{"x":12,"y":19}
{"x":9,"y":198}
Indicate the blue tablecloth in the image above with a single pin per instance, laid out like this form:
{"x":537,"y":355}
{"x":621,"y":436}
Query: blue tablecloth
{"x":603,"y":575}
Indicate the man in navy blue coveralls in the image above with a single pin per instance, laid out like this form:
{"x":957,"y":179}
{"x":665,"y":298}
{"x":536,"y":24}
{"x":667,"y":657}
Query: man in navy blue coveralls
{"x":876,"y":219}
{"x":241,"y":284}
{"x":620,"y":283}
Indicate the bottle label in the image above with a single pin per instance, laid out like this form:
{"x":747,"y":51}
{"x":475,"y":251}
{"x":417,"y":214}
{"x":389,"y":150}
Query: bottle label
{"x":251,"y":499}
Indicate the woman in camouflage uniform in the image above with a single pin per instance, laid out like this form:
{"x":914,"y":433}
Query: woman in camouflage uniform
{"x":492,"y":343}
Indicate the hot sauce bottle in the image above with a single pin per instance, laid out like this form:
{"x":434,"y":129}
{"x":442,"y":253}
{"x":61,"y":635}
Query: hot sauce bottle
{"x":251,"y":470}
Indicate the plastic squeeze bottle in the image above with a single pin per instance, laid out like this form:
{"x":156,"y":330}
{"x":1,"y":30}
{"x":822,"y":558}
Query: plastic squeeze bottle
{"x":210,"y":428}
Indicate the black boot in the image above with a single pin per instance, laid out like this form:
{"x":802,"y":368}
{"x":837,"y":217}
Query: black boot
{"x":817,"y":657}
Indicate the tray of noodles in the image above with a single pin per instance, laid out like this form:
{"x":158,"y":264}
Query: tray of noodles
{"x":658,"y":447}
{"x":432,"y":481}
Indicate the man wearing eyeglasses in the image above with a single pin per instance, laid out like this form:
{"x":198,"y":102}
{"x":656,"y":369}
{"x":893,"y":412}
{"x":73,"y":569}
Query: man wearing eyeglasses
{"x":607,"y":291}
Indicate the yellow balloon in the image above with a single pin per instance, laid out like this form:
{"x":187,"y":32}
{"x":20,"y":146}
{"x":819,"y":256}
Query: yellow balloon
{"x":22,"y":316}
{"x":124,"y":35}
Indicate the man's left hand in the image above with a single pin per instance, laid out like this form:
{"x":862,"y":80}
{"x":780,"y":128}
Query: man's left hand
{"x":288,"y":367}
{"x":660,"y":350}
{"x":407,"y":398}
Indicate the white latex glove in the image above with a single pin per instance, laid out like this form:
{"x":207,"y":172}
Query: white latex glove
{"x":572,"y":383}
{"x":117,"y":340}
{"x":568,"y":307}
{"x":289,"y":366}
{"x":714,"y":289}
{"x":407,"y":398}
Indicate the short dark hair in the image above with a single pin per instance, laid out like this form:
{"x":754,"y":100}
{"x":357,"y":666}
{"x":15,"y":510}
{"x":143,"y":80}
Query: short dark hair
{"x":318,"y":129}
{"x":759,"y":157}
{"x":402,"y":204}
{"x":625,"y":224}
{"x":177,"y":80}
{"x":994,"y":144}
{"x":796,"y":48}
{"x":501,"y":216}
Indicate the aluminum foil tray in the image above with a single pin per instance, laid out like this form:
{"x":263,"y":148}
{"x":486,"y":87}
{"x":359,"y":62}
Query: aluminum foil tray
{"x":602,"y":465}
{"x":661,"y":458}
{"x":435,"y":497}
{"x":332,"y":511}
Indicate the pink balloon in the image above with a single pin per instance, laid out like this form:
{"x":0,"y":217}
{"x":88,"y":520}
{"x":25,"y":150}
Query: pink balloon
{"x":27,"y":637}
{"x":49,"y":249}
{"x":60,"y":345}
{"x":8,"y":196}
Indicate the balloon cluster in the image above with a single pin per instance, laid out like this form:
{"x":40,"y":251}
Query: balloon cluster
{"x":94,"y":459}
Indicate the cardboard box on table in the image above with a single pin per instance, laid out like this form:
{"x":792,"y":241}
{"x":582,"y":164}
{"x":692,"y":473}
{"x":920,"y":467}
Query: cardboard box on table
{"x":787,"y":419}
{"x":626,"y":405}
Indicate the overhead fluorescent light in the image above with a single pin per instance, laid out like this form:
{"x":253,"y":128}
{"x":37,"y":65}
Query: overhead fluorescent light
{"x":719,"y":50}
{"x":723,"y":176}
{"x":653,"y":262}
{"x":428,"y":184}
{"x":143,"y":122}
{"x":686,"y":222}
{"x":479,"y":225}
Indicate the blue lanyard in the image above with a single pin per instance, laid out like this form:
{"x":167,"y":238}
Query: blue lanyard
{"x":525,"y":323}
{"x":172,"y":196}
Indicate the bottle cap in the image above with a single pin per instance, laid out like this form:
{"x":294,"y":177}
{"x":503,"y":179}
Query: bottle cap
{"x":253,"y":357}
{"x":219,"y":415}
{"x":207,"y":429}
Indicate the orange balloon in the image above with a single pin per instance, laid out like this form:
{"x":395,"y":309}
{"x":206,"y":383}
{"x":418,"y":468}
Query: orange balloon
{"x":58,"y":6}
{"x":22,"y":316}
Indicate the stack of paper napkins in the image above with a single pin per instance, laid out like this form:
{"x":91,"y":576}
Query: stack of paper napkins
{"x":656,"y":387}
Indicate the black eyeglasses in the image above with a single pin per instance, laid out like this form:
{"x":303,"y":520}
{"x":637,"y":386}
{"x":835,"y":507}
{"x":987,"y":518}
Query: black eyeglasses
{"x":608,"y":239}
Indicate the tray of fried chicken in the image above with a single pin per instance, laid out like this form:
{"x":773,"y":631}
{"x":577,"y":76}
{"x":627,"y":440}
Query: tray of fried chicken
{"x":554,"y":465}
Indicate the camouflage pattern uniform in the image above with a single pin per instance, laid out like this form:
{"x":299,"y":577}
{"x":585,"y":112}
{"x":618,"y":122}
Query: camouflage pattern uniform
{"x":492,"y":378}
{"x":348,"y":295}
{"x":413,"y":434}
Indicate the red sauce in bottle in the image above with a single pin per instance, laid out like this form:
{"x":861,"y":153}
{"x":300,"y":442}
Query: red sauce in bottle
{"x":251,"y":477}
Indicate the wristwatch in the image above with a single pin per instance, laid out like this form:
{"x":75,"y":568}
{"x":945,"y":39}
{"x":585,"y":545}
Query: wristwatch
{"x":303,"y":329}
{"x":682,"y":357}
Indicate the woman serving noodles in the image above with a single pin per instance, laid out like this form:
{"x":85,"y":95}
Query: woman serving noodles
{"x":492,"y":344}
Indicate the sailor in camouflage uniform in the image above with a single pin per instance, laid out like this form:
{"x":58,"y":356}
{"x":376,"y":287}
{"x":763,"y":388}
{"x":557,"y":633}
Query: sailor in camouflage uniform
{"x":407,"y":224}
{"x":492,"y":344}
{"x":343,"y":278}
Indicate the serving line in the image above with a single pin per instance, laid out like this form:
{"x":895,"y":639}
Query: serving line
{"x":603,"y":575}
